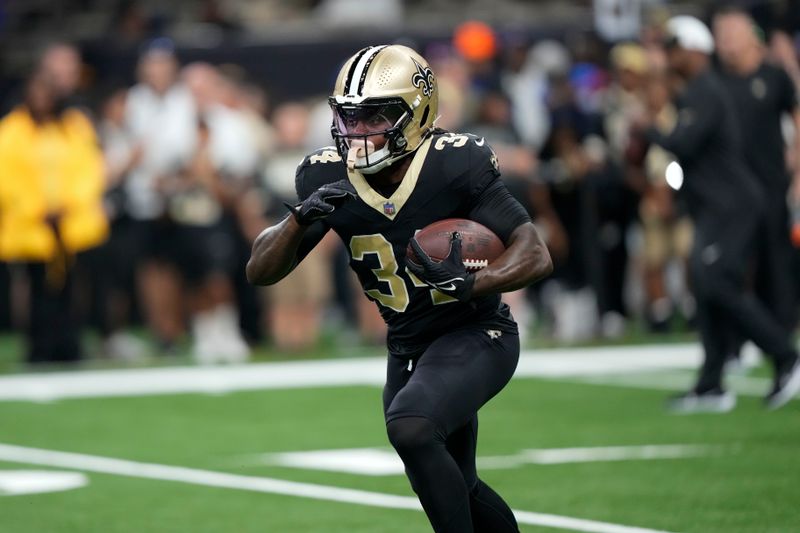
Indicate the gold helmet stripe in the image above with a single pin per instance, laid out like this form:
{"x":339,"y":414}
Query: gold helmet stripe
{"x":357,"y":79}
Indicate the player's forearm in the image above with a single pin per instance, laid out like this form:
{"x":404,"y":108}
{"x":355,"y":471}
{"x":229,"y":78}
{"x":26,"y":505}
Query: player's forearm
{"x":525,"y":261}
{"x":274,"y":252}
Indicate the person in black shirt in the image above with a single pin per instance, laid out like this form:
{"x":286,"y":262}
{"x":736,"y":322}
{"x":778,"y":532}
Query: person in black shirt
{"x":452,"y":344}
{"x":726,"y":204}
{"x":762,"y":93}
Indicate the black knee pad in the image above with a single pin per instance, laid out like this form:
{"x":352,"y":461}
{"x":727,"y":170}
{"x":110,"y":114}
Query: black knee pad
{"x":411,"y":433}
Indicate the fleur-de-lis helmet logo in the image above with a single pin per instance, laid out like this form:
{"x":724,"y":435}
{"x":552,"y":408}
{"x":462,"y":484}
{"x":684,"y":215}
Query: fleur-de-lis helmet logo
{"x":423,"y":78}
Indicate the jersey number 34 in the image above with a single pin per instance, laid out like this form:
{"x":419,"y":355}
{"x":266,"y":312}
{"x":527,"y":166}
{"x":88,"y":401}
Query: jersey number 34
{"x":397,"y":297}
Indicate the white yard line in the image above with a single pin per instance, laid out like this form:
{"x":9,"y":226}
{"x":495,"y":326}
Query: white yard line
{"x":674,"y":381}
{"x":385,"y":462}
{"x":554,"y":456}
{"x":121,"y":467}
{"x":44,"y":387}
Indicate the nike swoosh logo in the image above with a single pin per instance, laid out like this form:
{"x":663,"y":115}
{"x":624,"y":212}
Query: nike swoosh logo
{"x":480,"y":143}
{"x":450,"y":287}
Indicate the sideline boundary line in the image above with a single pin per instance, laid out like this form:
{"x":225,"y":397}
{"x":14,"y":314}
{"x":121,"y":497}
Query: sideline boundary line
{"x":369,"y":371}
{"x":208,"y":478}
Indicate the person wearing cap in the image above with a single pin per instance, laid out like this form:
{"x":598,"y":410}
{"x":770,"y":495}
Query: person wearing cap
{"x":762,"y":94}
{"x":726,"y":205}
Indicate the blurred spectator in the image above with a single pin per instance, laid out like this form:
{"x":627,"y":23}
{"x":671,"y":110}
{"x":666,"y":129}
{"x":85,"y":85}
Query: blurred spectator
{"x":110,"y":268}
{"x":239,"y":142}
{"x":218,"y":100}
{"x":651,"y":37}
{"x":255,"y":108}
{"x":203,"y":251}
{"x":565,"y":168}
{"x":51,"y":186}
{"x":762,"y":93}
{"x":666,"y":228}
{"x":162,"y":117}
{"x":527,"y":81}
{"x":618,"y":196}
{"x":62,"y":64}
{"x":296,"y":305}
{"x":625,"y":99}
{"x":231,"y":157}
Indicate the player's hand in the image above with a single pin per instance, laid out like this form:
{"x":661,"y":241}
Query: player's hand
{"x":449,"y":276}
{"x":322,"y":202}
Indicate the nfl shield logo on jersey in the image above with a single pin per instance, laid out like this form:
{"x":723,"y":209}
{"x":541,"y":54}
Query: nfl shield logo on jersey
{"x":388,"y":208}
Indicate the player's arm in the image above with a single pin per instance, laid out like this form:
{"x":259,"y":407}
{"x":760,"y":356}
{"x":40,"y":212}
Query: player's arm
{"x":279,"y":248}
{"x":526,"y":259}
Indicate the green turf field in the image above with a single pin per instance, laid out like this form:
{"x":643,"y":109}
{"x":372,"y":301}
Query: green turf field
{"x":747,"y":481}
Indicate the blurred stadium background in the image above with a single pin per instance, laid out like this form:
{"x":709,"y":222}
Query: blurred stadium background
{"x":178,"y":128}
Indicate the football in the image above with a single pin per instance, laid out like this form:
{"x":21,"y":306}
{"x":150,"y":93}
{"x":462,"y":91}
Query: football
{"x":479,"y":245}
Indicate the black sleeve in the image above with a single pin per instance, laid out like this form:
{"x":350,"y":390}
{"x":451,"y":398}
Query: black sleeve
{"x":698,"y":117}
{"x":490,"y":203}
{"x":496,"y":209}
{"x":789,"y":100}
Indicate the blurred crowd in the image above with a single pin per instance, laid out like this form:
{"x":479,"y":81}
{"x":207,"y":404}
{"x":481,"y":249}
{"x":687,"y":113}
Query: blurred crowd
{"x":136,"y":210}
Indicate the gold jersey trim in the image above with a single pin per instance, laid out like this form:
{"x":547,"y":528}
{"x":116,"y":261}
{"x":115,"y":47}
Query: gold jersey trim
{"x":390,"y":207}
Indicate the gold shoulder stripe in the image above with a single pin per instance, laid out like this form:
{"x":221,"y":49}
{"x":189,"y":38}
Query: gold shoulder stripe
{"x":389,"y":207}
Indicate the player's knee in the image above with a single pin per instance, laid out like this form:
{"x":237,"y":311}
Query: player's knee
{"x":411,"y":433}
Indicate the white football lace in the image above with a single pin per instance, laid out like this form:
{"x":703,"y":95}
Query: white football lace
{"x":475,"y":263}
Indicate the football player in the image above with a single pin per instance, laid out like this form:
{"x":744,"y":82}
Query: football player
{"x":452,"y":344}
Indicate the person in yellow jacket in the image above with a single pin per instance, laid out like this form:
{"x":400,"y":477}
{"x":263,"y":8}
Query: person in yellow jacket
{"x":51,"y":190}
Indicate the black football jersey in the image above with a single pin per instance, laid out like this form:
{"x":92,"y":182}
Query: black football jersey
{"x":760,"y":99}
{"x":445,"y":179}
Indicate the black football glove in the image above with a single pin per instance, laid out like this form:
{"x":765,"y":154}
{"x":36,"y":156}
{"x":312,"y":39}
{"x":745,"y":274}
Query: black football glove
{"x":322,"y":202}
{"x":450,"y":276}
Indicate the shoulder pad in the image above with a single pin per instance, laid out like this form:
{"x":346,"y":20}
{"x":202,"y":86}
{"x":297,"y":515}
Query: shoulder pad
{"x":318,"y":168}
{"x":463,"y":151}
{"x":326,"y":154}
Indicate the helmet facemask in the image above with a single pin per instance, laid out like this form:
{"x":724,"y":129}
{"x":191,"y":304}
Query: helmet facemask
{"x":353,"y":125}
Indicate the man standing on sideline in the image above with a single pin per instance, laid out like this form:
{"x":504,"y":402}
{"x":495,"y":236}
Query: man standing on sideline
{"x":762,"y":93}
{"x":726,"y":205}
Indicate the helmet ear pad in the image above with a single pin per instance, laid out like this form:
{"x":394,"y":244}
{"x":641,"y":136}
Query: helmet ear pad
{"x":398,"y":144}
{"x":396,"y":140}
